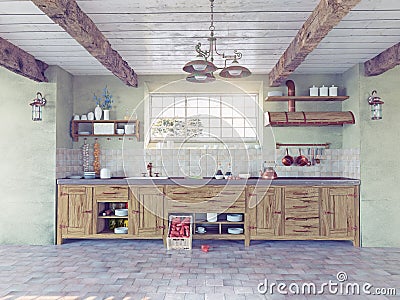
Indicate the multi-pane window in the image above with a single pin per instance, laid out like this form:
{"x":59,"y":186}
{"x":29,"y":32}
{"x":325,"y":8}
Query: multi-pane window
{"x":204,"y":118}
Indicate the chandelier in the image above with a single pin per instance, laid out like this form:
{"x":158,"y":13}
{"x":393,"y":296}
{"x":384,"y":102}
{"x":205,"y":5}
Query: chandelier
{"x":201,"y":69}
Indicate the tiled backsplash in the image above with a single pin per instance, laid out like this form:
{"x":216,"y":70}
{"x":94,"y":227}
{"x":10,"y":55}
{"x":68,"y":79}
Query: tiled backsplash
{"x":204,"y":162}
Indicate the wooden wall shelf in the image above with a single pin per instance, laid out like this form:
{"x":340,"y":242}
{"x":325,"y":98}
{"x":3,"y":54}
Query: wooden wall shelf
{"x":75,"y":128}
{"x":306,"y":98}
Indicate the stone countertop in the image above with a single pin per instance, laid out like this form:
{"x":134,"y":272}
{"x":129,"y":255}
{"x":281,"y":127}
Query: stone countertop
{"x":281,"y":181}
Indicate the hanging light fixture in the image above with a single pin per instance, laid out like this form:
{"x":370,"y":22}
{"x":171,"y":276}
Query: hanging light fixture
{"x":37,"y":105}
{"x":201,"y":69}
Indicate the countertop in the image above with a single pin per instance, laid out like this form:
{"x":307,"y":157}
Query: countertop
{"x":280,"y":181}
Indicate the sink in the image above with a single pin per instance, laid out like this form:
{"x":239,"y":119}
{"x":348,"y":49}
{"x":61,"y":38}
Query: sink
{"x":146,"y":178}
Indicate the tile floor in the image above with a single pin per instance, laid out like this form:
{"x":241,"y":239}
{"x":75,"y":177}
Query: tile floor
{"x":109,"y":269}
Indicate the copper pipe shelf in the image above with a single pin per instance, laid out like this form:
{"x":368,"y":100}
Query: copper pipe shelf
{"x":306,"y":98}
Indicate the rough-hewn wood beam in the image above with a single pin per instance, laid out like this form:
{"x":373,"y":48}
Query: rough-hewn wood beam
{"x":69,"y":16}
{"x":325,"y":16}
{"x":17,"y":60}
{"x":384,"y":61}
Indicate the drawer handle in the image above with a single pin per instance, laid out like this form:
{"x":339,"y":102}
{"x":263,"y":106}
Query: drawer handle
{"x":63,"y":226}
{"x":179,"y":206}
{"x":300,"y":206}
{"x":135,"y":211}
{"x":300,"y":194}
{"x":109,"y":193}
{"x":328,"y":213}
{"x":301,"y":230}
{"x":306,"y":201}
{"x":300,"y":219}
{"x":277,"y":212}
{"x":233,"y":206}
{"x":180,"y":193}
{"x":87,"y":211}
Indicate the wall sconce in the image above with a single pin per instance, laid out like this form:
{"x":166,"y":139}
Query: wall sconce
{"x":37,"y":105}
{"x":376,"y":106}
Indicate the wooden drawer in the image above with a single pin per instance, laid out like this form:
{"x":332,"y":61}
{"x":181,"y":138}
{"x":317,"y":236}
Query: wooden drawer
{"x":206,"y":199}
{"x":111,"y":192}
{"x":296,"y":207}
{"x":302,"y":226}
{"x":299,"y":193}
{"x":76,"y":190}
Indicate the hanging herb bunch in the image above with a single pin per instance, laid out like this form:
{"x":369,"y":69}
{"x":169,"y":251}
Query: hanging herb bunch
{"x":105,"y":101}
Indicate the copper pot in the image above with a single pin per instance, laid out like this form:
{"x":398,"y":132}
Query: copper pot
{"x":301,"y":160}
{"x":287,"y":160}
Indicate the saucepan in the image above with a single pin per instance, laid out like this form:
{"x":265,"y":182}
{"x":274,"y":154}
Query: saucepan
{"x":287,"y":160}
{"x":301,"y":160}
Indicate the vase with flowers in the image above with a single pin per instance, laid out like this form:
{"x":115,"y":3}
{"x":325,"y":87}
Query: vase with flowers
{"x":103,"y":103}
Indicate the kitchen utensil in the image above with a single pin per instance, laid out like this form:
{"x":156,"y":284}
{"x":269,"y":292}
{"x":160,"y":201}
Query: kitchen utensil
{"x":317,"y":160}
{"x":234,"y":217}
{"x":309,"y":155}
{"x":235,"y":230}
{"x":301,"y":160}
{"x":121,"y":230}
{"x":84,"y":117}
{"x":287,"y":160}
{"x":90,"y":116}
{"x":333,"y":91}
{"x":121,"y":212}
{"x":105,"y":173}
{"x":212,"y":217}
{"x":313,"y":91}
{"x":323,"y":91}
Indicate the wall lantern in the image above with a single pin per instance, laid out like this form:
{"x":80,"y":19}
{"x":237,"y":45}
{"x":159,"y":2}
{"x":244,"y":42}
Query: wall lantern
{"x":376,"y":106}
{"x":37,"y":105}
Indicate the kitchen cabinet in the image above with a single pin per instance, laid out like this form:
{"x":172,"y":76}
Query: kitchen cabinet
{"x":301,"y":211}
{"x":222,"y":200}
{"x":265,"y":210}
{"x":75,"y":212}
{"x":339,"y":213}
{"x":147,"y":209}
{"x":109,"y":198}
{"x":85,"y":128}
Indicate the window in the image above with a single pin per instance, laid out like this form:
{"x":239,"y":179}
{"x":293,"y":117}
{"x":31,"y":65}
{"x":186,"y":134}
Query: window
{"x":204,"y":118}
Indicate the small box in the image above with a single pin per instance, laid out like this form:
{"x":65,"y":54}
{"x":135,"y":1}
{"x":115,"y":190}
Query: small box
{"x":103,"y":128}
{"x":129,"y":128}
{"x":179,"y":243}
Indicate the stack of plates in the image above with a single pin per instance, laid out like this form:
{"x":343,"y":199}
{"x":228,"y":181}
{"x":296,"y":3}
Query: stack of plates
{"x":235,"y":230}
{"x":89,"y":175}
{"x":121,"y":230}
{"x":234,"y":218}
{"x":121,"y":212}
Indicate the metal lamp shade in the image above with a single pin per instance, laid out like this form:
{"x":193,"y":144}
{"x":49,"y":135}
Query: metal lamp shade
{"x":235,"y":71}
{"x":199,"y":66}
{"x":201,"y":78}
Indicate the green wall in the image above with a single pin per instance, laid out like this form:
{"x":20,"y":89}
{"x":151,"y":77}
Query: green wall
{"x":28,"y":162}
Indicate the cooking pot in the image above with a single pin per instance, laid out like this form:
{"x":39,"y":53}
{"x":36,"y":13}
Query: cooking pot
{"x":287,"y":160}
{"x":301,"y":160}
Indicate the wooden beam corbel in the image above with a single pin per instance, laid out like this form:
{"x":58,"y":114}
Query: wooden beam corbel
{"x":384,"y":61}
{"x":21,"y":62}
{"x":325,"y":16}
{"x":69,"y":16}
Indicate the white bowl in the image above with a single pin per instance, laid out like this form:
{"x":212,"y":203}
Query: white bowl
{"x":120,"y":131}
{"x":121,"y":212}
{"x":234,"y":217}
{"x":235,"y":230}
{"x":219,"y":176}
{"x":244,"y":175}
{"x":121,"y":230}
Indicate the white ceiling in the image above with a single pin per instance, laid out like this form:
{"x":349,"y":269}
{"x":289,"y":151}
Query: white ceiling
{"x":158,"y":37}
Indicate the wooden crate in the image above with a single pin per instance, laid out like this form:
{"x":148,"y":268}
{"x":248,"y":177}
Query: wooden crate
{"x":179,"y":243}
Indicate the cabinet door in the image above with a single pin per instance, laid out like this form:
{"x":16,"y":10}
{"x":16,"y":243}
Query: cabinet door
{"x":338,"y":217}
{"x":148,"y":211}
{"x":75,"y":211}
{"x":265,"y":211}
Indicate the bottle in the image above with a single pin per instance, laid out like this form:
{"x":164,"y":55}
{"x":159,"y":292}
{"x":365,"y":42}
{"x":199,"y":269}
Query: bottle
{"x":219,"y":174}
{"x":228,"y":173}
{"x":126,"y":117}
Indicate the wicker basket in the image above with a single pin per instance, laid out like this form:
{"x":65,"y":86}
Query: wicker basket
{"x":179,"y":243}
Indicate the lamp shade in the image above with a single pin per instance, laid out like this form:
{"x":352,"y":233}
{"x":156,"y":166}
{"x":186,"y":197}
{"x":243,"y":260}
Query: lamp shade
{"x":199,"y":66}
{"x":201,"y":78}
{"x":235,"y":71}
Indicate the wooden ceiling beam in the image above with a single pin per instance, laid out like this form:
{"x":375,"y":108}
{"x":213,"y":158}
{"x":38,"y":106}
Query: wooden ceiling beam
{"x":384,"y":61}
{"x":21,"y":62}
{"x":79,"y":26}
{"x":325,"y":16}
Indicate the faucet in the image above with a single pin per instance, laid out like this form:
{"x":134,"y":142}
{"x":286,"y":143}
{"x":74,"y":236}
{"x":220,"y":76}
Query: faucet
{"x":150,"y":169}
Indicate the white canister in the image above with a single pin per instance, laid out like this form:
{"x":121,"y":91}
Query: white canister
{"x":313,"y":91}
{"x":90,"y":116}
{"x":77,"y":117}
{"x":333,"y":91}
{"x":105,"y":173}
{"x":323,"y":91}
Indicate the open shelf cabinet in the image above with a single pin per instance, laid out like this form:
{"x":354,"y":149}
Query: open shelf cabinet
{"x":217,"y":229}
{"x":85,"y":128}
